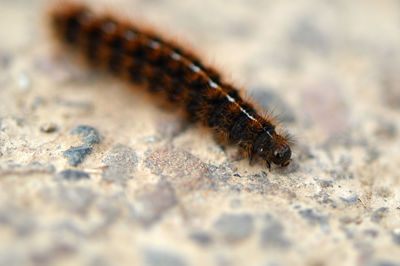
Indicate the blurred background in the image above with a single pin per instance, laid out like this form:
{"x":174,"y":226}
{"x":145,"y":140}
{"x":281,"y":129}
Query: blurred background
{"x":93,"y":172}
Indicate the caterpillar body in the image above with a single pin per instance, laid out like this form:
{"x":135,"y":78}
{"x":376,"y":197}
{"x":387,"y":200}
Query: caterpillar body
{"x":169,"y":70}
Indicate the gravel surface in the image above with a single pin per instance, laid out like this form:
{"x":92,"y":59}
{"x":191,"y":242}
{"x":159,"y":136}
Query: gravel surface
{"x":94,"y":172}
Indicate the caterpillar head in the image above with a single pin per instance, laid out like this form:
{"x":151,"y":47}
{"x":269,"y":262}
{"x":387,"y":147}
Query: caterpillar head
{"x":281,"y":155}
{"x":273,"y":148}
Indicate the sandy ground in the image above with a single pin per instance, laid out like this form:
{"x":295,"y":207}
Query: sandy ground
{"x":92,"y":172}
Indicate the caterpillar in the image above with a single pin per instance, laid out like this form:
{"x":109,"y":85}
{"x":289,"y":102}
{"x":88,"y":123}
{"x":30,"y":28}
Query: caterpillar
{"x":169,"y":70}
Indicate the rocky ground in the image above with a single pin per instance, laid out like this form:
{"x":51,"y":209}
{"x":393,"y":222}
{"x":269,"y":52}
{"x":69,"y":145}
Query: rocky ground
{"x":92,"y":172}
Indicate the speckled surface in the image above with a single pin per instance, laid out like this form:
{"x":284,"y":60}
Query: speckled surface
{"x":95,"y":173}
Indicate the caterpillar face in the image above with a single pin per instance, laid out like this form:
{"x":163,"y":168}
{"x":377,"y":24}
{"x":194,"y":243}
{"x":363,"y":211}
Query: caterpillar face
{"x":281,"y":156}
{"x":273,"y":148}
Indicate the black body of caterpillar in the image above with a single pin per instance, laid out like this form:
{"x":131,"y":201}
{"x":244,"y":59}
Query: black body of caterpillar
{"x":167,"y":69}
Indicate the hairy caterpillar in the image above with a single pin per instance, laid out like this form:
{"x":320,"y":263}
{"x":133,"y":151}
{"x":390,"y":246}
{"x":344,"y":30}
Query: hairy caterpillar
{"x":168,"y":70}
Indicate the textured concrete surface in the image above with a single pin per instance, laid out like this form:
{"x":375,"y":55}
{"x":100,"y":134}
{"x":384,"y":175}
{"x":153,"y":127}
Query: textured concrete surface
{"x":93,"y":172}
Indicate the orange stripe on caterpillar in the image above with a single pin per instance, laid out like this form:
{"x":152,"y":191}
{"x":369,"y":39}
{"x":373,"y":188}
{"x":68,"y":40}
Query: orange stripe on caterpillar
{"x":167,"y":69}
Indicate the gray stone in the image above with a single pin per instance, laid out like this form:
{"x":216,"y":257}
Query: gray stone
{"x":386,"y":263}
{"x":272,"y":234}
{"x":326,"y":183}
{"x":183,"y":170}
{"x":122,"y":162}
{"x":386,"y":129}
{"x":89,"y":135}
{"x":371,"y":232}
{"x":73,"y":175}
{"x":38,"y":102}
{"x":162,"y":257}
{"x":220,"y":174}
{"x":259,"y":183}
{"x":154,"y":203}
{"x":201,"y":238}
{"x":315,"y":218}
{"x":346,"y":219}
{"x":5,"y":60}
{"x":110,"y":208}
{"x":348,"y":231}
{"x":234,"y":227}
{"x":338,"y":175}
{"x":76,"y":154}
{"x":353,"y":199}
{"x":396,"y":238}
{"x":378,"y":214}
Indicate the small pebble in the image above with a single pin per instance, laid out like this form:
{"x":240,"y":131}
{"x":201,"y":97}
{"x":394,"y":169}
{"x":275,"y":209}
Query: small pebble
{"x":90,"y":135}
{"x":74,"y":199}
{"x":326,"y":183}
{"x":23,"y":81}
{"x":154,"y":203}
{"x":201,"y":238}
{"x":353,"y":199}
{"x":5,"y":61}
{"x":273,"y":234}
{"x":396,"y":237}
{"x":71,"y":174}
{"x":378,"y":214}
{"x":315,"y":218}
{"x":235,"y":227}
{"x":48,"y":127}
{"x":371,"y":232}
{"x":77,"y":154}
{"x":158,"y":257}
{"x":121,"y":161}
{"x":184,"y":171}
